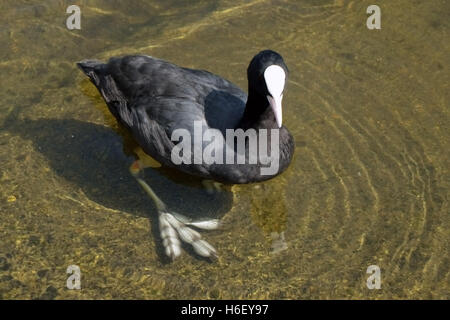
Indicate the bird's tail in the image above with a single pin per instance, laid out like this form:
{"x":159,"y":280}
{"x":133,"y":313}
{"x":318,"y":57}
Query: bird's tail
{"x":98,"y":74}
{"x":92,"y":68}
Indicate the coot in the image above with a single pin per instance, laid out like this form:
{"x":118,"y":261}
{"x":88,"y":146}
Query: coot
{"x":199,"y":123}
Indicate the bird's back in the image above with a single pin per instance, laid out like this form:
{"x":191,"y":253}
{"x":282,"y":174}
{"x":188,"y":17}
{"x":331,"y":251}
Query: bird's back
{"x":153,"y":97}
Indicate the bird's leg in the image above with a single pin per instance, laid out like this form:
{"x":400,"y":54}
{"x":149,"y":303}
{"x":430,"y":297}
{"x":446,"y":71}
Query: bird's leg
{"x":174,"y":226}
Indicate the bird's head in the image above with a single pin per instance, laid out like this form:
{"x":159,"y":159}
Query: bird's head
{"x":267,"y":75}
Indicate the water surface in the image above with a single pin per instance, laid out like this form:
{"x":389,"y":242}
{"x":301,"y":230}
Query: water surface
{"x":369,"y":183}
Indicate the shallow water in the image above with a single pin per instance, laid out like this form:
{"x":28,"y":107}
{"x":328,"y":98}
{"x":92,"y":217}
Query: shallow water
{"x":369,"y":183}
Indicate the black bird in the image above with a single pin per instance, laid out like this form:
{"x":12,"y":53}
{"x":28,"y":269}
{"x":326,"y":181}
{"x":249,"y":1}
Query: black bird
{"x":199,"y":123}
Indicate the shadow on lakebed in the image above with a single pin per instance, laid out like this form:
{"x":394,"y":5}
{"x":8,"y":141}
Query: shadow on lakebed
{"x":96,"y":159}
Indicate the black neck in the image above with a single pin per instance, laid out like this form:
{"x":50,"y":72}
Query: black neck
{"x":256,"y":112}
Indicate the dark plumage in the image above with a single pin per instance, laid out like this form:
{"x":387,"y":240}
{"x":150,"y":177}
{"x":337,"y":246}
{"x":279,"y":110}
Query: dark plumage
{"x":152,"y":98}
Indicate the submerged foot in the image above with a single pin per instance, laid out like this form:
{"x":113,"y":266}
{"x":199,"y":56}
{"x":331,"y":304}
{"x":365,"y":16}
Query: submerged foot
{"x":174,"y":226}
